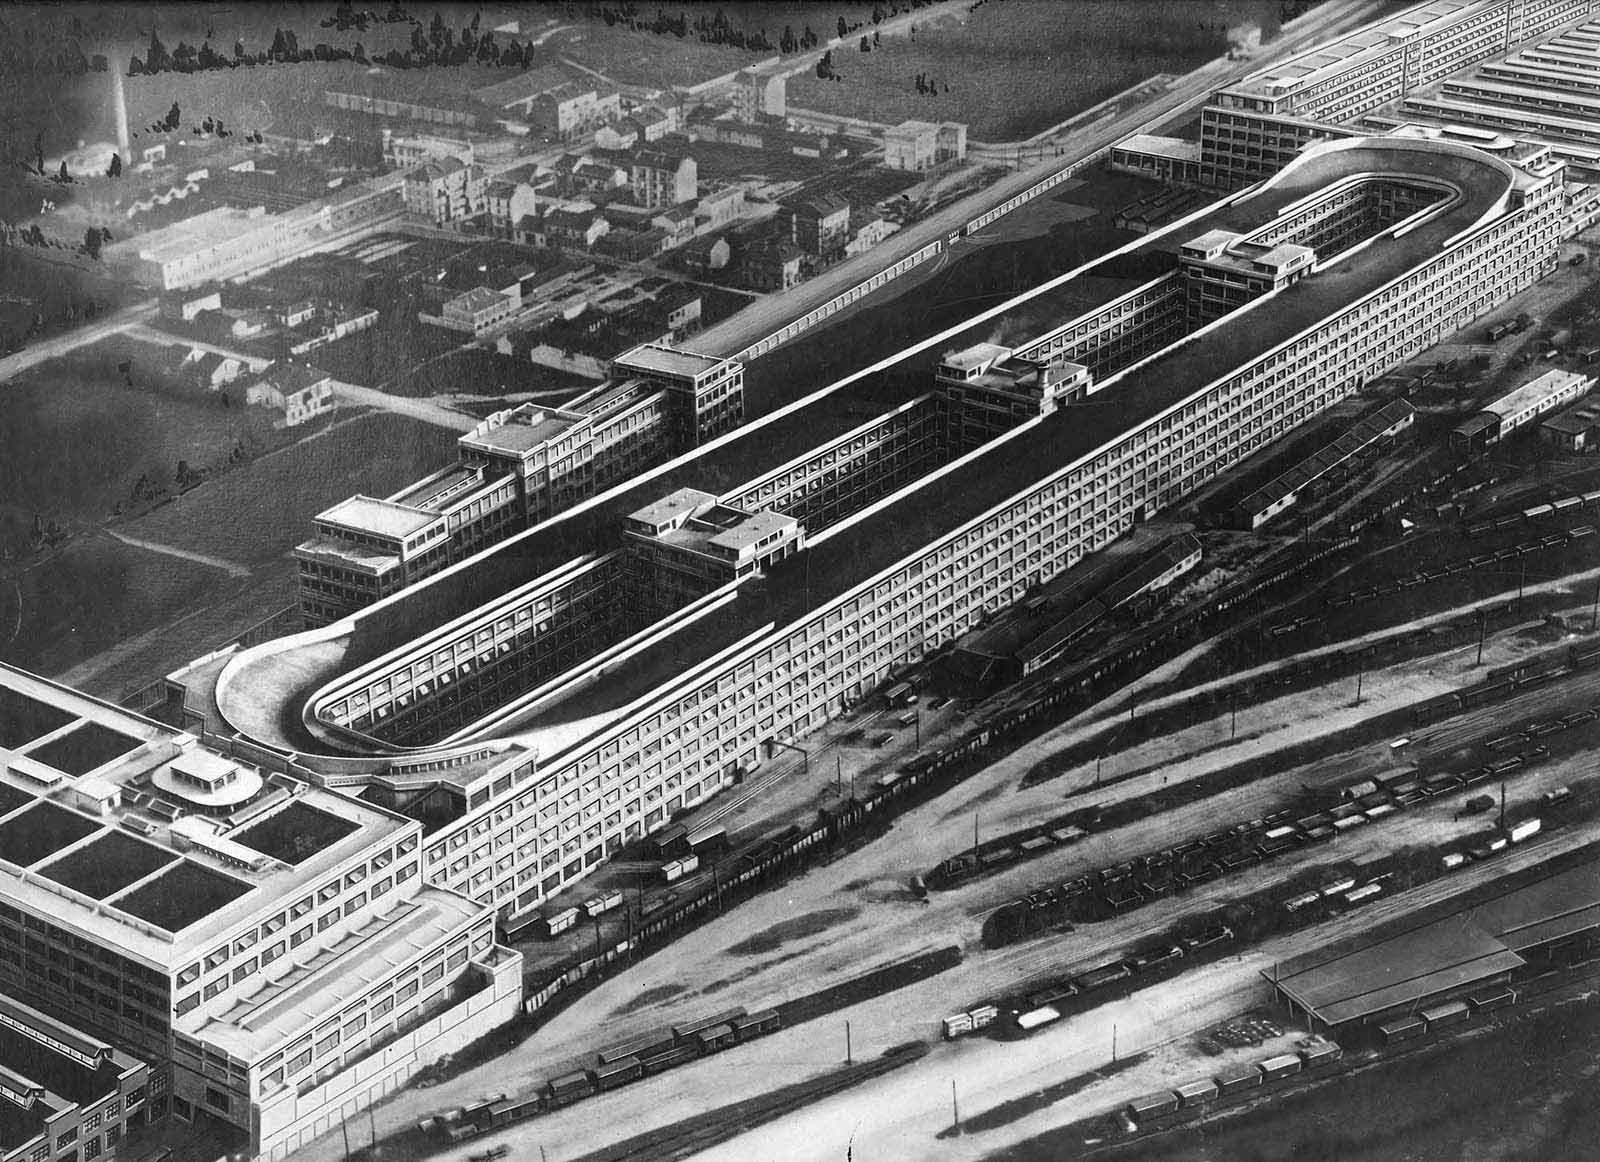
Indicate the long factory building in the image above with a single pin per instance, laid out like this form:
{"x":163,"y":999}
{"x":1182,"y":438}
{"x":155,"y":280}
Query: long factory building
{"x":559,"y":695}
{"x":1347,"y":87}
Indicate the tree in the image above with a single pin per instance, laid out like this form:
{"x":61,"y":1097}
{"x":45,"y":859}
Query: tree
{"x":174,"y":118}
{"x":877,"y":38}
{"x":91,"y":242}
{"x":135,"y":67}
{"x":825,"y":65}
{"x":115,"y":168}
{"x":844,"y":29}
{"x":156,"y":60}
{"x":63,"y":176}
{"x":38,"y":151}
{"x":99,"y":63}
{"x":866,"y":45}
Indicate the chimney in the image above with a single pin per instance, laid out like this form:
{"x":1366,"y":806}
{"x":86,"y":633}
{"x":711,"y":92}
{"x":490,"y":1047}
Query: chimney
{"x":120,"y":103}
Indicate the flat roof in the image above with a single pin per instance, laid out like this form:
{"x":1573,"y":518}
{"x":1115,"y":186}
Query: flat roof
{"x":182,"y":895}
{"x":295,"y":833}
{"x":116,"y":887}
{"x":382,"y":517}
{"x":108,"y":864}
{"x":338,"y":973}
{"x":665,"y":360}
{"x":522,"y":429}
{"x":1534,"y":391}
{"x":84,"y":748}
{"x":23,"y":719}
{"x":1178,"y":148}
{"x":1342,"y":983}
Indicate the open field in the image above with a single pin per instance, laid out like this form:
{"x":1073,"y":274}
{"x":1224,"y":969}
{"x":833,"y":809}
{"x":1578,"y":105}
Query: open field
{"x":91,"y":596}
{"x":74,"y":437}
{"x":97,"y":593}
{"x":1016,"y":68}
{"x":258,"y":513}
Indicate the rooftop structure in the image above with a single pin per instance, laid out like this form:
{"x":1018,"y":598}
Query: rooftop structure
{"x":216,"y":911}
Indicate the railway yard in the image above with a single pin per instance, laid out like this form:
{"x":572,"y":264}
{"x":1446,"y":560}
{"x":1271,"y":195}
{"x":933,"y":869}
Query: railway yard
{"x":1375,"y":712}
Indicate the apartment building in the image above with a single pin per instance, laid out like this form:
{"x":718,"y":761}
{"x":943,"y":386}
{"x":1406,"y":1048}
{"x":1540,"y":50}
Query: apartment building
{"x":268,"y":948}
{"x":658,"y":179}
{"x":520,"y":466}
{"x":951,"y":533}
{"x":445,"y":190}
{"x":819,"y":225}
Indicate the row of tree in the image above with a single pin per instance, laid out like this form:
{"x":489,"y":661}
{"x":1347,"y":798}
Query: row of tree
{"x":439,"y":47}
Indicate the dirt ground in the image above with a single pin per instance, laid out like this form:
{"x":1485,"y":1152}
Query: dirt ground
{"x":716,"y":967}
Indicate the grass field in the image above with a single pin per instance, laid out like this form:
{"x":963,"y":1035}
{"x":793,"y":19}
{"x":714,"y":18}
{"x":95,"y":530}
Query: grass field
{"x":1016,"y":68}
{"x":256,"y":514}
{"x":74,"y":437}
{"x":91,"y":596}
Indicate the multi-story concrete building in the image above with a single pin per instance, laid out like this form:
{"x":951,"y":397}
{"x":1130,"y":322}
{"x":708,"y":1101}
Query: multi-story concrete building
{"x":520,"y":466}
{"x":508,"y":203}
{"x":444,"y":191}
{"x":1254,"y":128}
{"x":477,"y":310}
{"x":909,"y":528}
{"x":271,"y":949}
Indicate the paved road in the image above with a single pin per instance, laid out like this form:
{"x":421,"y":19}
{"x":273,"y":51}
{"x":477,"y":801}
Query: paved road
{"x":425,"y":410}
{"x":35,"y":353}
{"x":232,"y":568}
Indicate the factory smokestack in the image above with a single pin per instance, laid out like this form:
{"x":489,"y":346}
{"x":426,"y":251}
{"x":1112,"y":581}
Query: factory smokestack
{"x":119,"y":102}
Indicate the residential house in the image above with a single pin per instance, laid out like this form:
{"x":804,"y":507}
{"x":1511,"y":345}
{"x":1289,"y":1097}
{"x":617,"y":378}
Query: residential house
{"x":865,"y":235}
{"x":655,"y":121}
{"x":910,"y":145}
{"x":677,"y":223}
{"x":296,"y":313}
{"x":771,"y":264}
{"x":718,"y":208}
{"x":706,"y":253}
{"x":574,"y":229}
{"x":299,"y":391}
{"x":624,"y":134}
{"x":247,"y":324}
{"x":507,"y":202}
{"x":404,"y":152}
{"x":588,"y":174}
{"x":184,"y":305}
{"x":211,"y":371}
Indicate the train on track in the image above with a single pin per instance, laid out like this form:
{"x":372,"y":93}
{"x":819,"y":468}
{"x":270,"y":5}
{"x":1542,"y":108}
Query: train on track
{"x":614,"y":1066}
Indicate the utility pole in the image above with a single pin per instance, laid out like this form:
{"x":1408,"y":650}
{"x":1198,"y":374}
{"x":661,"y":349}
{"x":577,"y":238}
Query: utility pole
{"x":345,"y":1130}
{"x":1594,"y":610}
{"x":1233,"y":717}
{"x":1483,"y":627}
{"x":1522,"y":575}
{"x":838,"y":774}
{"x":1502,"y":806}
{"x":1359,"y":675}
{"x":955,"y":1110}
{"x":1098,"y":759}
{"x":1113,"y":1042}
{"x":848,"y":1059}
{"x":918,"y":713}
{"x":974,"y":836}
{"x":372,"y":1121}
